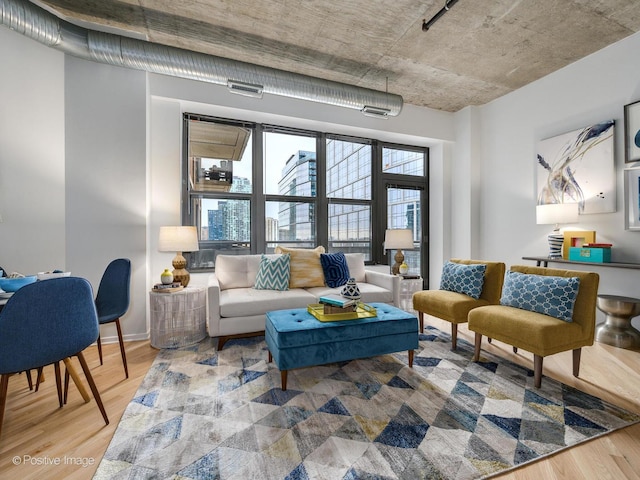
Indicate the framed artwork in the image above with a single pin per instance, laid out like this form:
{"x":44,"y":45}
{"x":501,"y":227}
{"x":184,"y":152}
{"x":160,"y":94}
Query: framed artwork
{"x":576,"y":238}
{"x":579,"y":167}
{"x":632,"y":132}
{"x":632,"y":199}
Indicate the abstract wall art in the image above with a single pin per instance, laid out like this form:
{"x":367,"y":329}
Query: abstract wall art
{"x":578,"y":167}
{"x":632,"y":199}
{"x":632,"y":132}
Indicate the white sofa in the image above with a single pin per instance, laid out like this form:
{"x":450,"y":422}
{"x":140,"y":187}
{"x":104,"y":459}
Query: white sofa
{"x":237,"y":309}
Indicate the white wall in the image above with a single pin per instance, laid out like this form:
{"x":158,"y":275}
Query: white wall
{"x":589,"y":91}
{"x":32,"y":168}
{"x":106,"y":179}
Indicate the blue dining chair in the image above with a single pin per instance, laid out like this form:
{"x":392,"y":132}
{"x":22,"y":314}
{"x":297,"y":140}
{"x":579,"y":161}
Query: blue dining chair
{"x":112,"y":301}
{"x":44,"y":323}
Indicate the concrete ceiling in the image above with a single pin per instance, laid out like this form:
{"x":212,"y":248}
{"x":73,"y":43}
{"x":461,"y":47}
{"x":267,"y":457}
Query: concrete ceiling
{"x":477,"y":51}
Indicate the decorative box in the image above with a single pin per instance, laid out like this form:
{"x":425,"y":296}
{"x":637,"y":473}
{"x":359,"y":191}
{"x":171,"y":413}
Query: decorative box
{"x":593,"y":254}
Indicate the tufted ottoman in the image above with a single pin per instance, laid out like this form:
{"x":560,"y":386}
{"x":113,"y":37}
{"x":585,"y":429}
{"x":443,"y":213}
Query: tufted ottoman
{"x":296,"y":339}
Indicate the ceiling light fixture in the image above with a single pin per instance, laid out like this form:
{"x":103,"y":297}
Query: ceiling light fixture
{"x":377,"y":112}
{"x":246,"y":89}
{"x":447,"y":5}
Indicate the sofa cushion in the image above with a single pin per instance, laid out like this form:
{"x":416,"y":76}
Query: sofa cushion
{"x":355,"y":263}
{"x":306,"y":269}
{"x":467,"y":279}
{"x":238,"y":271}
{"x":335,"y":268}
{"x":246,"y":302}
{"x":546,"y":294}
{"x":273,"y":273}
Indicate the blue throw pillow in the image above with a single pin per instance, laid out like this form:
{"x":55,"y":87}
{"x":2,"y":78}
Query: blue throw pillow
{"x":273,"y":273}
{"x":553,"y":296}
{"x":461,"y":278}
{"x":335,"y":268}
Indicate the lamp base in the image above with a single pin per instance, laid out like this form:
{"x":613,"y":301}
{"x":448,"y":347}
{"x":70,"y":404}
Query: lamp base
{"x":180,"y":274}
{"x":555,"y":245}
{"x":399,"y":258}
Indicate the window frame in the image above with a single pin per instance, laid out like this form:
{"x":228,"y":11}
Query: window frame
{"x":258,"y":198}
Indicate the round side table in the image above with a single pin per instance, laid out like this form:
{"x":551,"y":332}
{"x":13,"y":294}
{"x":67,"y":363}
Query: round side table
{"x":617,"y":329}
{"x":178,"y":319}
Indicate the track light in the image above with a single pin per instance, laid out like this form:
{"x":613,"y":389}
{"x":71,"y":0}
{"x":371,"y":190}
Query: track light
{"x":377,"y":112}
{"x":447,"y":5}
{"x":246,"y":89}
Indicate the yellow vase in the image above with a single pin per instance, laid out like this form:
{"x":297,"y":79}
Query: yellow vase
{"x":166,"y":277}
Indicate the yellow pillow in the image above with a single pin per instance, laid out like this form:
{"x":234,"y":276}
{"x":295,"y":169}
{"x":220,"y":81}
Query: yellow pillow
{"x":305,"y":267}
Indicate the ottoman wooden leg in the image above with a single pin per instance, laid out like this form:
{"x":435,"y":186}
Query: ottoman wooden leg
{"x":283,"y":379}
{"x":270,"y":356}
{"x":410,"y":358}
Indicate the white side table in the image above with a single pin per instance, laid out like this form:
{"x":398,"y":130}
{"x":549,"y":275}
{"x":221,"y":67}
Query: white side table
{"x":408,"y":286}
{"x":178,"y":319}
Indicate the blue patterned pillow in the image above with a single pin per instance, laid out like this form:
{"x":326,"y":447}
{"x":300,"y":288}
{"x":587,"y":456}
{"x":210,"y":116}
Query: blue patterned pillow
{"x":335,"y":268}
{"x":273,"y":273}
{"x":553,"y":296}
{"x":461,"y":278}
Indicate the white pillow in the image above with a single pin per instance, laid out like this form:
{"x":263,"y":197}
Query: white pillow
{"x":355,"y":262}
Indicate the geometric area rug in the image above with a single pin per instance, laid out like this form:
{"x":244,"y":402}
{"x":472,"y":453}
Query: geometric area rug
{"x":204,"y":414}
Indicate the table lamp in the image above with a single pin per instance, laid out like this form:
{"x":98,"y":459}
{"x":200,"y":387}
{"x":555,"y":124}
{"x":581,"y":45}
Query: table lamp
{"x":179,"y":239}
{"x":556,"y":213}
{"x":398,"y":238}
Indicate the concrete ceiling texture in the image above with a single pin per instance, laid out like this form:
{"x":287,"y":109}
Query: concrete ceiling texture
{"x":478,"y":50}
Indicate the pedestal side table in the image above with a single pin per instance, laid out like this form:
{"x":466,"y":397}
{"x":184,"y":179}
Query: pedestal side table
{"x":617,"y":329}
{"x":178,"y":319}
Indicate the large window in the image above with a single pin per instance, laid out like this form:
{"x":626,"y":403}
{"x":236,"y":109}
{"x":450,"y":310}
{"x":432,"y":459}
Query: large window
{"x":249,"y":187}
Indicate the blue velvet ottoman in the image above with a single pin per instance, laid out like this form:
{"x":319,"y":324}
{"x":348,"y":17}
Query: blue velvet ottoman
{"x":296,"y":339}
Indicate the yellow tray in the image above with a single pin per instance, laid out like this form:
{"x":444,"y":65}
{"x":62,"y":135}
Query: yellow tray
{"x":362,"y":311}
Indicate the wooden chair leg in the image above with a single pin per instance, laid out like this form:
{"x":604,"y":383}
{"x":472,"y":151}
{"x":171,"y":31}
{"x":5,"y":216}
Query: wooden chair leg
{"x":537,"y":370}
{"x":122,"y":352}
{"x":92,"y":385}
{"x":421,"y":322}
{"x":476,"y":352}
{"x":99,"y":349}
{"x":56,"y":366}
{"x":39,"y":378}
{"x":454,"y":336}
{"x":66,"y":385}
{"x":4,"y":384}
{"x":576,"y":361}
{"x":29,"y":379}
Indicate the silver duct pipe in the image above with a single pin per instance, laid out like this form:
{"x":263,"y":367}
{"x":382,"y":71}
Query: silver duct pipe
{"x":44,"y":27}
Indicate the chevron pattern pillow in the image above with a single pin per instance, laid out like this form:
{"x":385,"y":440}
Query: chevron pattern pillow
{"x":273,"y":273}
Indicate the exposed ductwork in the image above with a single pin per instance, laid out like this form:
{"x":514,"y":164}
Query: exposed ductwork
{"x":44,"y":27}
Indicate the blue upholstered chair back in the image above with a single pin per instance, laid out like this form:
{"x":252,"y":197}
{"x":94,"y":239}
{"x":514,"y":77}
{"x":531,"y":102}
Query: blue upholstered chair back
{"x":45,"y":322}
{"x":112,"y":300}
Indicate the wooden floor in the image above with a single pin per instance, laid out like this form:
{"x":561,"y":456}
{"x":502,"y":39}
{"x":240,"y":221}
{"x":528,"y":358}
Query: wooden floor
{"x":37,"y":433}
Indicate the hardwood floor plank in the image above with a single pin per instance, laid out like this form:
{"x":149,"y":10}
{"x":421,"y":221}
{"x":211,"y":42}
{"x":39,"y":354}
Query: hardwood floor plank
{"x":35,"y":426}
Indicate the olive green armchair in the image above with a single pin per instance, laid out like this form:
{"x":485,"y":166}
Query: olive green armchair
{"x":454,"y":307}
{"x":536,"y":332}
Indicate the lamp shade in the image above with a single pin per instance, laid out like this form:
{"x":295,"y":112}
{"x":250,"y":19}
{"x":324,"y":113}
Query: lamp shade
{"x":399,"y":238}
{"x":178,"y":239}
{"x":556,"y":213}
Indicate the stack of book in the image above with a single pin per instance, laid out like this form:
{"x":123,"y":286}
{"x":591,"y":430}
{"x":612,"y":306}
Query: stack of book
{"x":334,"y":303}
{"x":167,"y":287}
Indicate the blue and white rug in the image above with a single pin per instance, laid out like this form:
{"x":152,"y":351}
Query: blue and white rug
{"x":204,"y":414}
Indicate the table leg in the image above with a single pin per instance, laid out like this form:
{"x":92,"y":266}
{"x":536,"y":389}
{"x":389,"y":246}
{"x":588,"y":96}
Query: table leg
{"x":76,"y":380}
{"x":410,"y":358}
{"x":283,"y":379}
